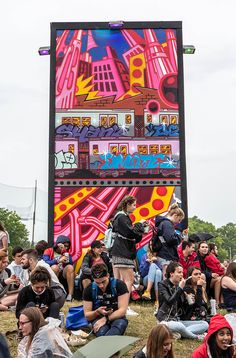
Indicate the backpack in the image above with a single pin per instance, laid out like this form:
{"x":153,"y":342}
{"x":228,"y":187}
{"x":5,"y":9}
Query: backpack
{"x":96,"y":300}
{"x":157,"y":240}
{"x":109,"y":235}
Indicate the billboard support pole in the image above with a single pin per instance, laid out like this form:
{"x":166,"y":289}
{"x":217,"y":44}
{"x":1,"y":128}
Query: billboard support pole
{"x":35,"y":199}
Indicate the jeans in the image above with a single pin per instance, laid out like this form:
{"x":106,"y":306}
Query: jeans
{"x":113,"y":328}
{"x":154,"y":275}
{"x":53,"y":309}
{"x":187,"y":329}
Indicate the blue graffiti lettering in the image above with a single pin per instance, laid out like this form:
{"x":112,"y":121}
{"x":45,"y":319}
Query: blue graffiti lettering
{"x":162,"y":130}
{"x":135,"y":161}
{"x":83,"y":133}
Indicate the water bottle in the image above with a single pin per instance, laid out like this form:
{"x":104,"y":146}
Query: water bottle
{"x":213,"y":306}
{"x":62,"y":319}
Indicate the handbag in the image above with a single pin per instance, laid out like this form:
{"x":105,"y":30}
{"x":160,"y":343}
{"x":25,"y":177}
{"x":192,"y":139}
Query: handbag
{"x":75,"y":318}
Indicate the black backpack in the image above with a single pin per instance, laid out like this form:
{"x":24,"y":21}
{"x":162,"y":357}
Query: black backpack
{"x":157,"y":239}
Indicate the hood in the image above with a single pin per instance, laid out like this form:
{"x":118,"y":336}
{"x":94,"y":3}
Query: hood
{"x":62,"y":239}
{"x":159,"y":219}
{"x":217,"y":322}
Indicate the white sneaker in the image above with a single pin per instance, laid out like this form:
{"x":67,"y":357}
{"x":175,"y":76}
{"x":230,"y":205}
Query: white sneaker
{"x":200,"y":337}
{"x":131,"y":312}
{"x":69,"y":298}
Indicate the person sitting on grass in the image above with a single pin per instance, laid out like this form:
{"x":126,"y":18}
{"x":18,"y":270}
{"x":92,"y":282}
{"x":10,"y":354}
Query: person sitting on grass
{"x":228,"y":287}
{"x":212,"y":278}
{"x":6,"y":281}
{"x":92,"y":257}
{"x":218,"y":341}
{"x":151,"y":274}
{"x":105,"y":302}
{"x":159,"y":344}
{"x":187,"y":256}
{"x":38,"y":294}
{"x":195,"y":294}
{"x":41,"y":339}
{"x":172,"y":302}
{"x":61,"y":263}
{"x":15,"y":266}
{"x":29,"y":261}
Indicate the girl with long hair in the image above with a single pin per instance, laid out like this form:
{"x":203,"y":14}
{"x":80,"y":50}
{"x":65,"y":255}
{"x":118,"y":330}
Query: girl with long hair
{"x":41,"y":339}
{"x":218,"y":341}
{"x":159,"y":344}
{"x":124,"y":248}
{"x":95,"y":255}
{"x":196,"y":298}
{"x":4,"y":238}
{"x":228,"y":286}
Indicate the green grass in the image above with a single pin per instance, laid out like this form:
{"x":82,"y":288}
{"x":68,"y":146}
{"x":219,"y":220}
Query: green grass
{"x":138,"y":327}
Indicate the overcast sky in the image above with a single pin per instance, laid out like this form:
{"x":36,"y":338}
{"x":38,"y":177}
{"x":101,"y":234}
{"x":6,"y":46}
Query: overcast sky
{"x":209,"y":81}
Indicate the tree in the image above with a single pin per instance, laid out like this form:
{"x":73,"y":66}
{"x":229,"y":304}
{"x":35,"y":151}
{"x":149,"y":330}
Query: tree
{"x":228,"y":234}
{"x":197,"y":225}
{"x":18,"y":233}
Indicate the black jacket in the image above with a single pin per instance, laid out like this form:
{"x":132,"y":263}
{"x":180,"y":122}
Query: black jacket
{"x":27,"y":295}
{"x":171,"y":301}
{"x":168,"y":250}
{"x":87,"y":264}
{"x":198,"y":310}
{"x":128,"y":236}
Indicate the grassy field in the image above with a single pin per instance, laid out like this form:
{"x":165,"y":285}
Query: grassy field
{"x":138,"y":326}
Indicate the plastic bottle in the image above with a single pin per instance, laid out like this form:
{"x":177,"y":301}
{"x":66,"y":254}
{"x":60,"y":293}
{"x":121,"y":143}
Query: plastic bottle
{"x":213,"y":306}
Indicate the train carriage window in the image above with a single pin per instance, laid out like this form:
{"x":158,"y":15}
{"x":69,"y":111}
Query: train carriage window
{"x":71,"y":148}
{"x":95,"y":149}
{"x":142,"y":149}
{"x":165,"y":149}
{"x":103,"y":121}
{"x":164,"y":119}
{"x":173,"y":119}
{"x":113,"y":149}
{"x":128,"y":119}
{"x":123,"y":149}
{"x":112,"y":120}
{"x":153,"y":148}
{"x":86,"y":121}
{"x":76,"y":121}
{"x":149,"y":118}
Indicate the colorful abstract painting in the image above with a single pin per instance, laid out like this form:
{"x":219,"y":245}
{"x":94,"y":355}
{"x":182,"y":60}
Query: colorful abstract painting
{"x":116,"y":119}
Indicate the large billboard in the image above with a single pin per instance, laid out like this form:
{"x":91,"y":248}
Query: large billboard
{"x":116,"y":125}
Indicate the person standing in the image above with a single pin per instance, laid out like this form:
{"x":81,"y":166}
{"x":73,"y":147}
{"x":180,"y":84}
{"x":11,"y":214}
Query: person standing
{"x":170,"y":239}
{"x":4,"y":238}
{"x":128,"y":235}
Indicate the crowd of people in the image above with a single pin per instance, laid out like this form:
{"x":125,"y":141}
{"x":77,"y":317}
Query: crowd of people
{"x":182,"y":277}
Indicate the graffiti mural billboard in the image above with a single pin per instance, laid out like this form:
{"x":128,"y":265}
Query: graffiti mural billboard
{"x":116,"y":125}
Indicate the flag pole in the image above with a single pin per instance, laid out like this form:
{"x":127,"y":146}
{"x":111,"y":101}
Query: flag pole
{"x":35,"y":198}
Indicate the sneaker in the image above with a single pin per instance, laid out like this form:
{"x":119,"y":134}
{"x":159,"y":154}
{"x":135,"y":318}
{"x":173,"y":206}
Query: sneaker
{"x":131,"y":312}
{"x":176,"y":335}
{"x":134,"y":296}
{"x":69,"y":298}
{"x":156,"y":307}
{"x":146,"y":295}
{"x":75,"y":341}
{"x":200,"y":337}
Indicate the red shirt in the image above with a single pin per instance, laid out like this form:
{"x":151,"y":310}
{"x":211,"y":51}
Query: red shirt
{"x":214,"y":264}
{"x":186,"y":262}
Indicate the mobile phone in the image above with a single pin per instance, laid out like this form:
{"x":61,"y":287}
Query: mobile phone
{"x":107,"y":309}
{"x":42,"y":305}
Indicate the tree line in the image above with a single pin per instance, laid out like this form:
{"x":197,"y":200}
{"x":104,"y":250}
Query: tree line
{"x":224,"y":237}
